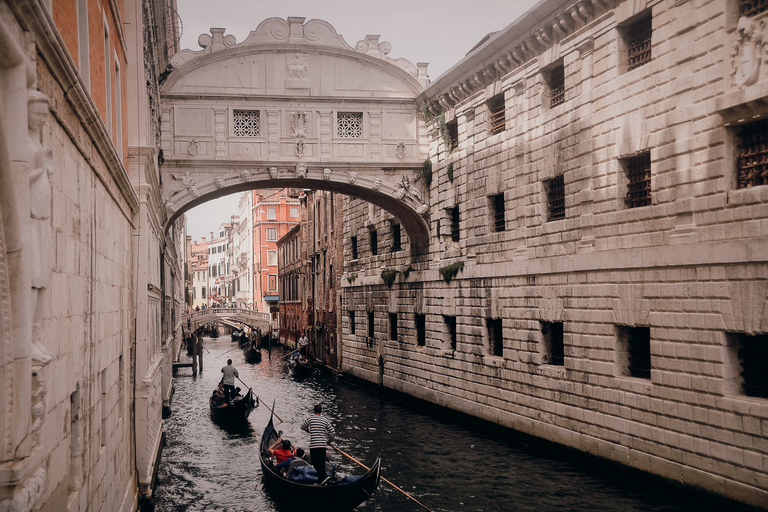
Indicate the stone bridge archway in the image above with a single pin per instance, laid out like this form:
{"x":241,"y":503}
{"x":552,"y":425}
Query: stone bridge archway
{"x":294,"y":105}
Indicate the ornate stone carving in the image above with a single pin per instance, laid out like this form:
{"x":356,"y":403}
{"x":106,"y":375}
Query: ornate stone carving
{"x":245,"y":176}
{"x":219,"y":182}
{"x":300,"y":148}
{"x":273,"y":172}
{"x":193,"y":148}
{"x":400,"y":150}
{"x":298,"y":67}
{"x":25,"y":500}
{"x":422,"y":209}
{"x":327,"y":174}
{"x":352,"y":176}
{"x":299,"y":124}
{"x":172,"y":208}
{"x":747,"y":52}
{"x":301,"y":171}
{"x":407,"y":187}
{"x":376,"y":184}
{"x":187,"y":183}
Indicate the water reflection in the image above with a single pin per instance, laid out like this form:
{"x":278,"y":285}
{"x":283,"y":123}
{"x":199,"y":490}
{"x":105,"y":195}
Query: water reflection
{"x":447,"y":462}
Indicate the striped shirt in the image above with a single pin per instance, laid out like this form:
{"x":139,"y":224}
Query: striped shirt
{"x":320,"y":431}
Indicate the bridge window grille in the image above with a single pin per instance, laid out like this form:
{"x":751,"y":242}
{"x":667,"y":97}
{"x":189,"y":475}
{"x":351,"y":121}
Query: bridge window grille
{"x":245,"y":123}
{"x":393,"y":326}
{"x":453,"y":213}
{"x":421,"y":330}
{"x":450,"y":324}
{"x":750,"y":8}
{"x":635,"y":351}
{"x":552,"y":335}
{"x":555,"y":197}
{"x":638,"y":169}
{"x":497,"y":117}
{"x":556,"y":81}
{"x":495,"y":336}
{"x":396,"y":242}
{"x":753,"y":155}
{"x":497,"y":209}
{"x":638,"y":41}
{"x":350,"y":124}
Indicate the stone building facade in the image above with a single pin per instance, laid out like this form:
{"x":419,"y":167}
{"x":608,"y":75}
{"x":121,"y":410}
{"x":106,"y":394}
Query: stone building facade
{"x":597,"y":272}
{"x":90,"y":278}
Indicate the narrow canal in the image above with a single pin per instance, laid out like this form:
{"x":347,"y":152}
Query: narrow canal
{"x":448,"y":463}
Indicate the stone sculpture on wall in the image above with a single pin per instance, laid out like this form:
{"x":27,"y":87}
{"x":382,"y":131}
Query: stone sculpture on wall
{"x":747,"y":52}
{"x":298,"y":67}
{"x":40,"y":200}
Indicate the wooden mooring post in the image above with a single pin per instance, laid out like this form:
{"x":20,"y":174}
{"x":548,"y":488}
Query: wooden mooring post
{"x":200,"y":353}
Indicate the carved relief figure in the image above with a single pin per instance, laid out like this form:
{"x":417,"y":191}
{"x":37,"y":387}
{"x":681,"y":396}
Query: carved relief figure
{"x":219,"y":182}
{"x":406,"y":187}
{"x":245,"y":176}
{"x":326,"y":174}
{"x":300,"y":148}
{"x":747,"y":52}
{"x":273,"y":172}
{"x":301,"y":171}
{"x":299,"y":124}
{"x":193,"y":148}
{"x":188,"y":183}
{"x":40,"y":199}
{"x":352,"y":177}
{"x":376,"y":184}
{"x":298,"y":67}
{"x":400,"y":150}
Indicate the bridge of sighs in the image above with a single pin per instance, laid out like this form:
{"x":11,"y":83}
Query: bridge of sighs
{"x":293,"y":105}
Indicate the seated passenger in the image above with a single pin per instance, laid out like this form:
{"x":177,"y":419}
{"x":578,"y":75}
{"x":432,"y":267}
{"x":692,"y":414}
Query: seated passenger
{"x":284,"y":452}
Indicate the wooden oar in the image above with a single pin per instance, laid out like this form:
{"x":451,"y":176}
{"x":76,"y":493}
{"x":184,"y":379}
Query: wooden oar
{"x":390,"y":483}
{"x":227,"y":352}
{"x":262,"y":401}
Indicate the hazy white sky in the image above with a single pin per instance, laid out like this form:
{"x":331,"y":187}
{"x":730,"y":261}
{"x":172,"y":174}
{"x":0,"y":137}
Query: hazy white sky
{"x":439,"y":32}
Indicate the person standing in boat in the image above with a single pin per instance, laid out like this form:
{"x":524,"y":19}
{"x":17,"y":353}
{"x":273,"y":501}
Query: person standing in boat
{"x":321,"y":434}
{"x":303,"y":344}
{"x":230,"y":372}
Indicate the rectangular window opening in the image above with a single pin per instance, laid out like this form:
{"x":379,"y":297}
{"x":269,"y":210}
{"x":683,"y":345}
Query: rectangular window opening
{"x":349,"y":125}
{"x":750,"y":359}
{"x":638,"y":169}
{"x":245,"y":123}
{"x":497,"y":114}
{"x":453,"y":213}
{"x":352,"y":322}
{"x":353,"y":241}
{"x":497,"y":209}
{"x":752,"y":157}
{"x":374,"y":242}
{"x":421,"y":330}
{"x":393,"y":326}
{"x":453,"y":134}
{"x":450,"y":324}
{"x":370,"y":329}
{"x":638,"y":42}
{"x":552,"y":337}
{"x":634,"y":351}
{"x":555,"y":189}
{"x":396,"y":242}
{"x":495,"y":336}
{"x":556,"y":81}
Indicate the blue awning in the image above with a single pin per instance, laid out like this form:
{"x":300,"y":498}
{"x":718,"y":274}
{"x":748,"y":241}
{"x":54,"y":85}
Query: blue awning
{"x":272,"y":298}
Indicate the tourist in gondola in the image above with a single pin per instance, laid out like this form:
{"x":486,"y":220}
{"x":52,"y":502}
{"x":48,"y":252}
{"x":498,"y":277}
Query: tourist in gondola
{"x":230,"y":372}
{"x":284,"y":451}
{"x":321,"y":434}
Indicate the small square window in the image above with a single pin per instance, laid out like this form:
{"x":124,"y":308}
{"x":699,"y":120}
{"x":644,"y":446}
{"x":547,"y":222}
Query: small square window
{"x":634,"y":351}
{"x":555,"y":189}
{"x":638,"y":169}
{"x":552,"y":338}
{"x":353,"y":240}
{"x":271,"y":213}
{"x":294,"y":211}
{"x":450,"y":325}
{"x":374,"y":242}
{"x":453,"y":214}
{"x":245,"y":123}
{"x":555,"y":79}
{"x":421,"y":330}
{"x":495,"y":336}
{"x":271,"y":234}
{"x":752,"y":159}
{"x":497,"y":117}
{"x":396,"y":242}
{"x":349,"y":124}
{"x":497,"y":212}
{"x":453,"y":134}
{"x":393,"y":326}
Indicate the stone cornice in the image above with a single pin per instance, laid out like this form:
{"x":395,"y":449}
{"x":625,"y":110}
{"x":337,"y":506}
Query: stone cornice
{"x":35,"y":18}
{"x":511,"y":48}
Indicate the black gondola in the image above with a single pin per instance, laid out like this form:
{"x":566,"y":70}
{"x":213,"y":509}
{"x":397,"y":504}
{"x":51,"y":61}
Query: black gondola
{"x":234,"y":410}
{"x":297,"y":367}
{"x":252,"y":354}
{"x":338,"y":495}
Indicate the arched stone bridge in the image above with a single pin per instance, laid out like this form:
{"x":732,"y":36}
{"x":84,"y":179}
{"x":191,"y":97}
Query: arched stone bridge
{"x":254,"y":319}
{"x":294,"y":105}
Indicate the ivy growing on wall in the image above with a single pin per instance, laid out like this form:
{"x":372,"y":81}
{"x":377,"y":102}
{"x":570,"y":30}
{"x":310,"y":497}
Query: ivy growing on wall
{"x":450,"y":172}
{"x":388,"y":276}
{"x":448,"y":272}
{"x":444,"y":133}
{"x":425,"y":112}
{"x":426,"y":171}
{"x":351,"y":278}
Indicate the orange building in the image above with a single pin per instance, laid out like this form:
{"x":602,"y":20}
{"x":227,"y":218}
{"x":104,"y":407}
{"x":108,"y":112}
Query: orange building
{"x":275,"y":212}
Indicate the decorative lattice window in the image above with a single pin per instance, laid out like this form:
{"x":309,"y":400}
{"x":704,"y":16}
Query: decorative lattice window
{"x":638,"y":170}
{"x":556,"y":83}
{"x":638,"y":40}
{"x":497,"y":207}
{"x":555,"y":198}
{"x":750,"y":8}
{"x":350,"y":124}
{"x":753,"y":155}
{"x":246,"y":123}
{"x":497,"y":117}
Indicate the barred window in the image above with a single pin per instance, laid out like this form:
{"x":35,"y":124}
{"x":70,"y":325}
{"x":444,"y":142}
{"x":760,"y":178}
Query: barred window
{"x":753,"y":155}
{"x":246,"y":123}
{"x":396,"y":242}
{"x":497,"y":118}
{"x":638,"y":40}
{"x":354,"y":247}
{"x":350,"y":124}
{"x":453,"y":213}
{"x":555,"y":189}
{"x":556,"y":82}
{"x":638,"y":169}
{"x":750,"y":8}
{"x":497,"y":207}
{"x":351,"y":322}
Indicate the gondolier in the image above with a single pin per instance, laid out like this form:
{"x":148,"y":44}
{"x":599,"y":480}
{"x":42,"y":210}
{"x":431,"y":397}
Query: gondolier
{"x":230,"y":372}
{"x":303,"y":344}
{"x":321,"y":434}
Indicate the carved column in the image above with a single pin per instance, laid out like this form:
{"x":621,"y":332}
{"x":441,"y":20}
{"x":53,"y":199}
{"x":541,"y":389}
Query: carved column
{"x":273,"y":133}
{"x":220,"y":133}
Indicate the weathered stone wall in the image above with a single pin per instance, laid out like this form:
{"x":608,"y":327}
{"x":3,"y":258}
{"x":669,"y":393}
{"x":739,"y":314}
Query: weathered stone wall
{"x":690,"y":267}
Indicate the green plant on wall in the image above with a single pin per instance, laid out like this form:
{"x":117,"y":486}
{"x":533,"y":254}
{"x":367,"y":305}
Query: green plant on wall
{"x":444,"y":133}
{"x":425,"y":113}
{"x":407,"y":272}
{"x":448,"y":272}
{"x":450,"y":172}
{"x":388,"y":276}
{"x":426,"y":171}
{"x":351,"y":278}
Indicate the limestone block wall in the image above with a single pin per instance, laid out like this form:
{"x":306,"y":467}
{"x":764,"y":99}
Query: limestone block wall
{"x":687,"y":271}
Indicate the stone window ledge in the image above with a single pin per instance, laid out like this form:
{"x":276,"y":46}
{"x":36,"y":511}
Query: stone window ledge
{"x":748,"y":195}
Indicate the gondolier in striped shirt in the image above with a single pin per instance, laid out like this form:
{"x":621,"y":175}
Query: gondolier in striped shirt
{"x":320,"y":435}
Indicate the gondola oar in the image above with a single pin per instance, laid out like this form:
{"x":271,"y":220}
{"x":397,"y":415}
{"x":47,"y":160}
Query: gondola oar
{"x":390,"y":483}
{"x":227,"y":352}
{"x":262,"y":401}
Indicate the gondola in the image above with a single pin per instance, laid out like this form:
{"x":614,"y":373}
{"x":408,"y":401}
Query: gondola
{"x":338,"y":495}
{"x":297,"y":368}
{"x":252,"y":354}
{"x":234,"y":410}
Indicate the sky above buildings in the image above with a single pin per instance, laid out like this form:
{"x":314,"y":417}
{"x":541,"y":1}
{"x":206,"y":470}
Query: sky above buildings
{"x":439,"y":32}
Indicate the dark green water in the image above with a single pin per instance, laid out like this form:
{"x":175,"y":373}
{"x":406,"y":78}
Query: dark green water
{"x":446,"y":462}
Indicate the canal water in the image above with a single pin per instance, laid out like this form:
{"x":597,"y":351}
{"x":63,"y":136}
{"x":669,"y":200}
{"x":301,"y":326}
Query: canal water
{"x":447,"y":462}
